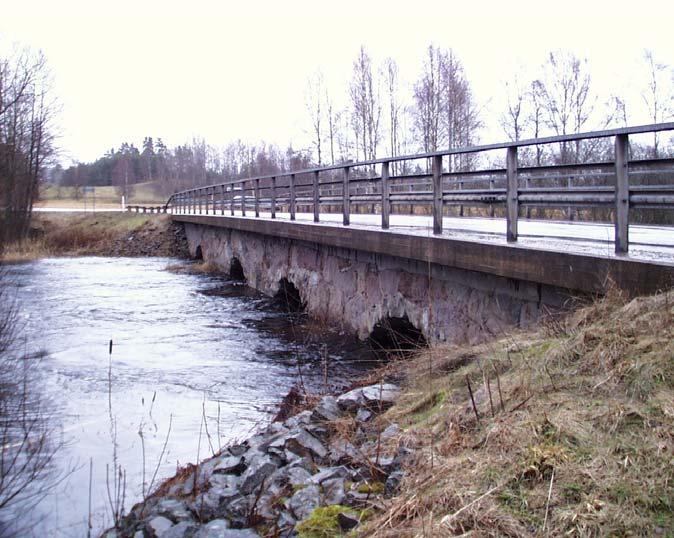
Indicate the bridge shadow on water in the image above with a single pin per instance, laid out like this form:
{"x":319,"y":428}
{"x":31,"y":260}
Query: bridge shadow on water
{"x":324,"y":356}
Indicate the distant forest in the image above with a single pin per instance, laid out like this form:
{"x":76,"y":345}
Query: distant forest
{"x":384,"y":117}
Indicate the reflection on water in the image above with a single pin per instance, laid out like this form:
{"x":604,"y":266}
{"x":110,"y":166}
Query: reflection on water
{"x":204,"y":356}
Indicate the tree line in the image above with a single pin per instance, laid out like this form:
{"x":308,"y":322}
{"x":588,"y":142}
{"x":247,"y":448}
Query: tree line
{"x":186,"y":165}
{"x":381,"y":116}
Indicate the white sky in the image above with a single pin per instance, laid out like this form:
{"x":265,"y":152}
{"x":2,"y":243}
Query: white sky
{"x":222,"y":70}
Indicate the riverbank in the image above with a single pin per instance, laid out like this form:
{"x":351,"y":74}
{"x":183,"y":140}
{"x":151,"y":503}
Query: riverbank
{"x":99,"y":234}
{"x":566,"y":430}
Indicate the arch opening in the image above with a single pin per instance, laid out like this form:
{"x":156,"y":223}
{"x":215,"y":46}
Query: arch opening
{"x":236,"y":271}
{"x":396,"y":336}
{"x":198,"y":254}
{"x":288,"y":297}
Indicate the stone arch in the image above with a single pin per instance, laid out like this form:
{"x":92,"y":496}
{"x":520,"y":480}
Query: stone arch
{"x":393,"y":335}
{"x":288,"y":297}
{"x":236,"y":270}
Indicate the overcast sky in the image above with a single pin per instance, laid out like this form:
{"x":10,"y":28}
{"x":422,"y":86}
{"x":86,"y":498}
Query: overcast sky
{"x":222,"y":70}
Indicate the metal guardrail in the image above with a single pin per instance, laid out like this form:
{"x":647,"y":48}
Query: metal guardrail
{"x":619,"y":184}
{"x":147,"y":208}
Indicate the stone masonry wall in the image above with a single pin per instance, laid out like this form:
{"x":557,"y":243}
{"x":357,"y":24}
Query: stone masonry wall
{"x":356,"y":289}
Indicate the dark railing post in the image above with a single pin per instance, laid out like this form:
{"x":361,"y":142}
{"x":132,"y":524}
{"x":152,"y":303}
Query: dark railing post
{"x":317,"y":199}
{"x":512,"y":195}
{"x":208,"y":199}
{"x":437,"y":194}
{"x":346,"y":199}
{"x":622,"y":195}
{"x":201,"y":196}
{"x":385,"y":199}
{"x":231,"y":199}
{"x":222,"y":199}
{"x":273,"y":197}
{"x":243,"y":198}
{"x":257,"y":197}
{"x":292,"y":196}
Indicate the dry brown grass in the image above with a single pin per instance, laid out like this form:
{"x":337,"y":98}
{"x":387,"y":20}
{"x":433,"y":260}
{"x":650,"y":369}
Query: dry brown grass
{"x":582,"y":444}
{"x":75,"y":234}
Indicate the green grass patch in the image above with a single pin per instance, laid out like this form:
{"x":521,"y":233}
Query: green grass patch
{"x":323,"y":521}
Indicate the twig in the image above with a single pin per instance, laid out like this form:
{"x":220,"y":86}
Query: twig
{"x":498,"y":383}
{"x":552,"y":381}
{"x":547,"y":504}
{"x":161,"y":456}
{"x":470,"y":390}
{"x":491,"y":403}
{"x":91,"y":470}
{"x":445,"y":520}
{"x":522,"y":403}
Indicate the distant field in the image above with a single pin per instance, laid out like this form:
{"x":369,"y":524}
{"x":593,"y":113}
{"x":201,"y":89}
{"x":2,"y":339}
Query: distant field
{"x":52,"y":196}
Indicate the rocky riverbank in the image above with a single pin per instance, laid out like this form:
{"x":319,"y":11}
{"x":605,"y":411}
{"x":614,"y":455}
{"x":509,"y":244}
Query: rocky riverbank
{"x":318,"y":473}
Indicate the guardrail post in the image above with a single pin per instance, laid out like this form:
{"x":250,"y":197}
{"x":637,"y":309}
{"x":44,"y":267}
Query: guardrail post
{"x":622,"y":195}
{"x":273,"y":197}
{"x":346,"y":198}
{"x":437,"y":194}
{"x":317,"y":199}
{"x":292,"y":196}
{"x":222,"y":199}
{"x":257,"y":196}
{"x":385,"y":199}
{"x":231,"y":199}
{"x":512,"y":194}
{"x":200,"y":194}
{"x":243,"y":198}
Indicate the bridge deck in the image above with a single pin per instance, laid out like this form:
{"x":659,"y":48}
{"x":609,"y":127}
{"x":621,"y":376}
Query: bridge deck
{"x":564,"y":254}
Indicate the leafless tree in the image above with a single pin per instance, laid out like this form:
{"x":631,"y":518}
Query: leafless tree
{"x":314,"y":100}
{"x":564,"y":92}
{"x":366,"y":105}
{"x":333,"y":122}
{"x":445,"y":113}
{"x":515,"y":119}
{"x":28,"y":445}
{"x":427,"y":100}
{"x":461,"y":113}
{"x":26,"y":136}
{"x":394,"y":107}
{"x":657,"y":96}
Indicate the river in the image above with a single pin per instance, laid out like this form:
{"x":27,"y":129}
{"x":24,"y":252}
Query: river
{"x":196,"y":363}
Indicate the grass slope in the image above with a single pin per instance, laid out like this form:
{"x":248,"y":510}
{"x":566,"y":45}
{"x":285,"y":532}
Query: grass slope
{"x":76,"y":234}
{"x":105,"y":197}
{"x":571,"y":433}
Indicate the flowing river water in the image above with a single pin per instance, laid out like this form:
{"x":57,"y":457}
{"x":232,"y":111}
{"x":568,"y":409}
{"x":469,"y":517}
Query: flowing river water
{"x":196,"y":363}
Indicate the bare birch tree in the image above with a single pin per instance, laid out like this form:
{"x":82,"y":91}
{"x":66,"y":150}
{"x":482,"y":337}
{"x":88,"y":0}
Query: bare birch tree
{"x":364,"y":92}
{"x":564,"y":91}
{"x":394,"y":107}
{"x":657,"y":95}
{"x":333,"y":122}
{"x":427,"y":101}
{"x":445,"y":113}
{"x":314,"y":99}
